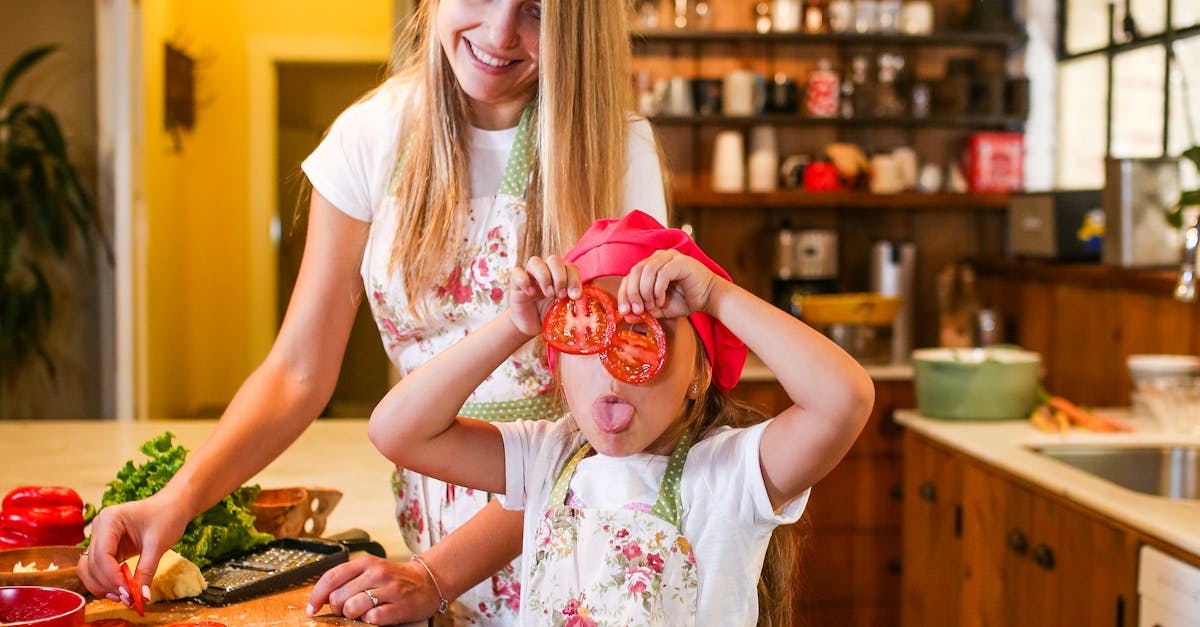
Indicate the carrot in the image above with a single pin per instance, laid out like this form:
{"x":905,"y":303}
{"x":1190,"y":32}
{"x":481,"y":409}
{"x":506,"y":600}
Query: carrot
{"x":1087,"y":419}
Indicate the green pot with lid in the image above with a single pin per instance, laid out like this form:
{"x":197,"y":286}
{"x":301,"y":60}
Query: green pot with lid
{"x":991,"y":383}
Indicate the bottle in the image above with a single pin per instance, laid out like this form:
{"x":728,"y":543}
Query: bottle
{"x":887,"y":100}
{"x":821,"y":99}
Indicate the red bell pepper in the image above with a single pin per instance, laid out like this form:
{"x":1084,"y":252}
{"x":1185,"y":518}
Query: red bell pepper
{"x":41,"y":516}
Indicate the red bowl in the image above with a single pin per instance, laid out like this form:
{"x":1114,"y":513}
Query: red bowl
{"x":44,"y":607}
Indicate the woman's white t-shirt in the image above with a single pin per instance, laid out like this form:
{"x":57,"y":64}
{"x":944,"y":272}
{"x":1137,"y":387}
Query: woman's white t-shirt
{"x":727,"y":516}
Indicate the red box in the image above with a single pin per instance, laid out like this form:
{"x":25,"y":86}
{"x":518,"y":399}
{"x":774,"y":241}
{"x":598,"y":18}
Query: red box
{"x":994,"y":162}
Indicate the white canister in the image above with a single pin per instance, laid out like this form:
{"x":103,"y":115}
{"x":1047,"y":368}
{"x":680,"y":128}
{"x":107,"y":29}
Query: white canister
{"x":743,"y":93}
{"x":916,"y":18}
{"x":885,"y":176}
{"x":678,"y":99}
{"x":866,"y":16}
{"x":906,"y":166}
{"x":786,"y":15}
{"x":762,"y":167}
{"x":729,"y":169}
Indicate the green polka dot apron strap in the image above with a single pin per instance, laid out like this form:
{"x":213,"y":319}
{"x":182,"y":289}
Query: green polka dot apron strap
{"x":532,"y":408}
{"x":669,"y":506}
{"x":516,"y":169}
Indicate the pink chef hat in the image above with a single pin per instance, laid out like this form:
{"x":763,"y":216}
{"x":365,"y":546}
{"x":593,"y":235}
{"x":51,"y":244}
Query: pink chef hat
{"x":615,"y":246}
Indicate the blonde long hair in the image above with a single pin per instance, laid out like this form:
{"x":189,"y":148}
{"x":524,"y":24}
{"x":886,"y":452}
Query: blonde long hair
{"x":584,"y":98}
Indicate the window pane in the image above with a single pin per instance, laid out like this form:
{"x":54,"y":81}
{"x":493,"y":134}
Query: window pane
{"x":1081,"y":122}
{"x":1185,"y":13}
{"x":1178,"y":135}
{"x":1138,"y":102}
{"x":1149,"y":18}
{"x":1087,"y":25}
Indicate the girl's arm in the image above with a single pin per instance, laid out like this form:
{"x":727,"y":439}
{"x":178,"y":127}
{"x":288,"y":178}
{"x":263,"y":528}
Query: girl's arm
{"x":832,"y":393}
{"x":417,"y":425}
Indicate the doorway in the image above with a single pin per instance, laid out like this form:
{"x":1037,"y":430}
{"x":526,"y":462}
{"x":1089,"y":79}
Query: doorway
{"x":310,"y":96}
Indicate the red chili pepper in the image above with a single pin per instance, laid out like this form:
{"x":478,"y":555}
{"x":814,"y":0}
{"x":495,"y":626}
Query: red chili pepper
{"x":134,"y":592}
{"x":41,"y":516}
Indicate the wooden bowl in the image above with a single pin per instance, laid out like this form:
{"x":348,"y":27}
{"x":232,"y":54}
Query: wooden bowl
{"x":41,"y":606}
{"x":294,"y":512}
{"x":65,"y":577}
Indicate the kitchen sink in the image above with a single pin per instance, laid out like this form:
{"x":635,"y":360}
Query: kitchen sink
{"x":1170,"y":471}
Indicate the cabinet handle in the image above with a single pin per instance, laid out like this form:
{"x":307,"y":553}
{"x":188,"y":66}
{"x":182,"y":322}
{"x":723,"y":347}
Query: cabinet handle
{"x":928,"y":491}
{"x":1018,"y":542}
{"x":894,"y":566}
{"x":898,"y":492}
{"x":1043,"y":556}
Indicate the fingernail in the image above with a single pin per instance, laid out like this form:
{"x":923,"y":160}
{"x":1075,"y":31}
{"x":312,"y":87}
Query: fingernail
{"x":310,"y":609}
{"x":574,"y":292}
{"x":146,"y":592}
{"x":112,"y":597}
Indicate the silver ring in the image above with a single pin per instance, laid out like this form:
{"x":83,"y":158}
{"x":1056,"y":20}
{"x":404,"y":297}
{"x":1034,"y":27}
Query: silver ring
{"x":374,"y":599}
{"x":84,"y":554}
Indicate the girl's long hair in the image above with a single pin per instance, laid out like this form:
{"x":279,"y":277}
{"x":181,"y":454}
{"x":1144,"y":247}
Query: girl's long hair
{"x":584,"y":98}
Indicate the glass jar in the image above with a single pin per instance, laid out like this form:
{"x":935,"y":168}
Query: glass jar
{"x":889,"y":16}
{"x":840,"y":14}
{"x":916,"y":18}
{"x":821,"y":99}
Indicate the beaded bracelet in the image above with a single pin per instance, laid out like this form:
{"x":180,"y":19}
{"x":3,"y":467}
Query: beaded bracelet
{"x":444,"y":603}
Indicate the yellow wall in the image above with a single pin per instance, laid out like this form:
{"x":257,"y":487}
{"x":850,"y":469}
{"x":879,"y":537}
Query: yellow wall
{"x":199,"y":235}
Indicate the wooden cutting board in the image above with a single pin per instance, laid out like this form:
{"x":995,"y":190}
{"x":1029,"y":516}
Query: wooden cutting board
{"x":282,"y":609}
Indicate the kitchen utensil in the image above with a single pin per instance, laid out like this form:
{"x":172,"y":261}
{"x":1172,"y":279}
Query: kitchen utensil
{"x":39,"y":606}
{"x":1136,"y":194}
{"x":294,"y":512}
{"x":863,"y":308}
{"x":992,"y":383}
{"x":729,"y":165}
{"x":867,"y":343}
{"x":743,"y":93}
{"x":65,"y":576}
{"x":1174,"y":402}
{"x":893,"y":266}
{"x":1149,"y":367}
{"x":762,"y":169}
{"x":280,"y":564}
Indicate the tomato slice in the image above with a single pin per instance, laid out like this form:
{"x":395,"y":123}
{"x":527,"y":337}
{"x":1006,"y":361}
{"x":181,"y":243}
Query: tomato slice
{"x":134,"y":592}
{"x":582,"y":326}
{"x":638,"y":349}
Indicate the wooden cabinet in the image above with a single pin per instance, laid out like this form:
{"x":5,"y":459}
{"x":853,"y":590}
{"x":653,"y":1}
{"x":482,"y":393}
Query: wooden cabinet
{"x":984,"y":549}
{"x":850,"y":554}
{"x":1085,"y":319}
{"x":932,"y":536}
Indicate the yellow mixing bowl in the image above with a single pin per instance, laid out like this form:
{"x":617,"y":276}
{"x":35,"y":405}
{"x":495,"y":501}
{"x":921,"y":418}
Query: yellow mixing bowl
{"x":850,"y":308}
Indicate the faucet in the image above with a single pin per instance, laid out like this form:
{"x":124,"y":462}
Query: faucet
{"x":1185,"y":289}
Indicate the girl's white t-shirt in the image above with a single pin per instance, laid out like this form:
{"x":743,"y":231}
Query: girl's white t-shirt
{"x":727,"y":516}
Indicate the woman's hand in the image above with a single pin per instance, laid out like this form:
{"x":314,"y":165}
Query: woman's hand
{"x":147,"y":527}
{"x":533,"y":287}
{"x":404,"y":591}
{"x":668,"y":284}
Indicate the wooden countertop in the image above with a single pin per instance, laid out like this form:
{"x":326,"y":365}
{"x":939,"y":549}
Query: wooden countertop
{"x":1006,"y":445}
{"x":1156,"y":281}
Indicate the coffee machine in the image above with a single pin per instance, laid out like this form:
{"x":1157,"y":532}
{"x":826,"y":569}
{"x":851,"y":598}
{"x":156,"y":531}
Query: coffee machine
{"x":806,"y":262}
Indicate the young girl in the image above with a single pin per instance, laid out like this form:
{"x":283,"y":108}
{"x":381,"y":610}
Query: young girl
{"x":644,"y":506}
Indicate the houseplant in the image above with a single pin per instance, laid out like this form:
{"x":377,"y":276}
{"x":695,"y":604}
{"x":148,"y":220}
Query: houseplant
{"x":44,"y":214}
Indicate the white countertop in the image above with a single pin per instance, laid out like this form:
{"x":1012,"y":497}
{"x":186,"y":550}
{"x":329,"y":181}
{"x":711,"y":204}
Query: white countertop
{"x":1005,"y":445}
{"x":85,"y":455}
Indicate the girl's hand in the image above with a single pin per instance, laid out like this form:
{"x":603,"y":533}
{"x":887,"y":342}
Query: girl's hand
{"x":533,"y":287}
{"x":668,"y":284}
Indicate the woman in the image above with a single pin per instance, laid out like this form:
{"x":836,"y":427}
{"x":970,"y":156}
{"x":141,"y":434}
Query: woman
{"x":506,"y":134}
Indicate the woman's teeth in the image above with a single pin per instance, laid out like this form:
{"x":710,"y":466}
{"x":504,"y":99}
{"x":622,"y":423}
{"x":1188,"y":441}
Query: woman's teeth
{"x":487,"y":58}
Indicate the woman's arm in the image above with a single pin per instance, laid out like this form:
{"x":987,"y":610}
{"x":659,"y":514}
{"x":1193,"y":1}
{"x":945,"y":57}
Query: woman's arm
{"x":270,"y":411}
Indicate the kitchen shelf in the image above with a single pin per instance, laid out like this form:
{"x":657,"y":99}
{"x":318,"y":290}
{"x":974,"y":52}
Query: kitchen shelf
{"x":783,"y":199}
{"x":1001,"y":39}
{"x":990,"y":122}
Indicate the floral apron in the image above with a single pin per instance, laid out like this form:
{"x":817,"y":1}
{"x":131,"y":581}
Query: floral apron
{"x":427,"y":509}
{"x":613,"y":567}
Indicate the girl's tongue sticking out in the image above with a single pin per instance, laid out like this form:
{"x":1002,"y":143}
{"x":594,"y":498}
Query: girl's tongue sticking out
{"x":612,"y":413}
